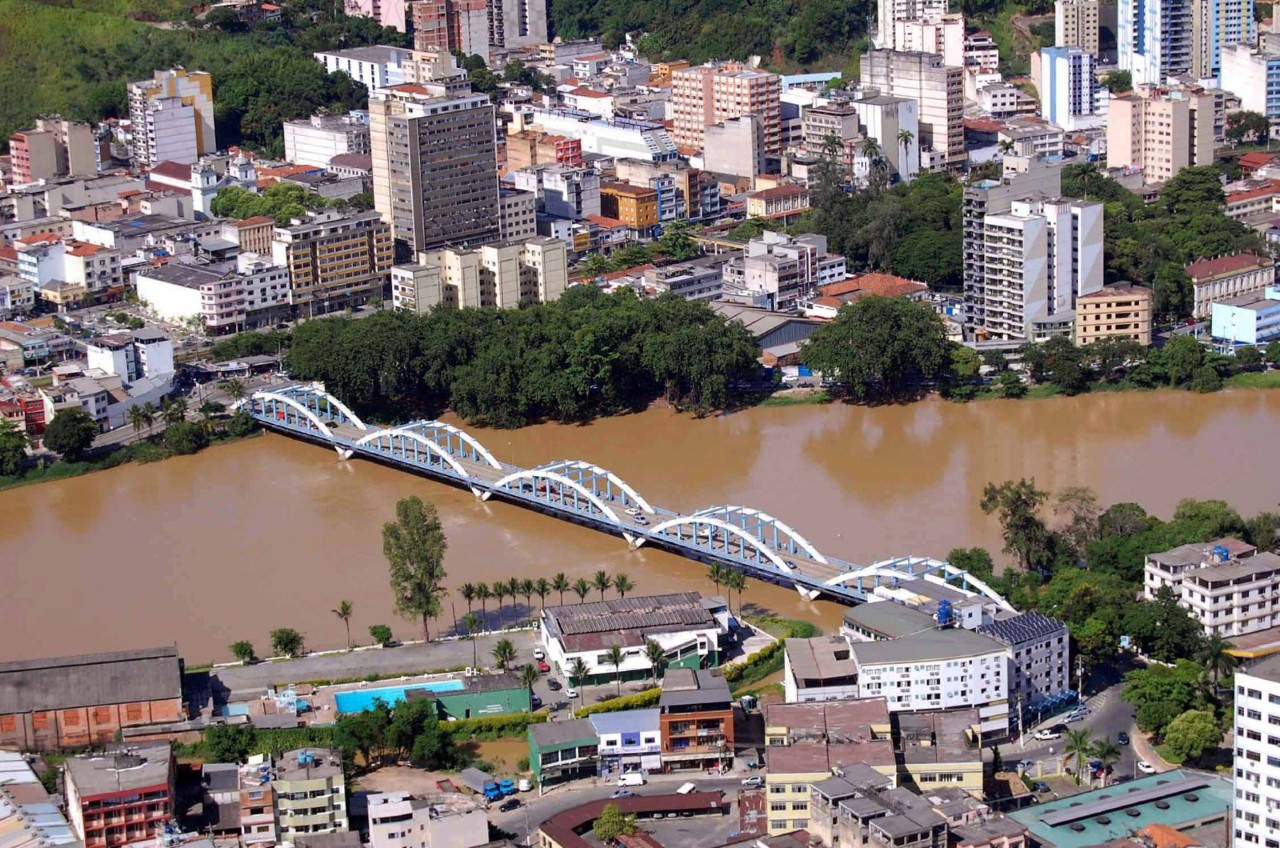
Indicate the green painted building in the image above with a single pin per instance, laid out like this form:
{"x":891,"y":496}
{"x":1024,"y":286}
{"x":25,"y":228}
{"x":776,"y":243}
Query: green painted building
{"x":482,"y":696}
{"x":563,"y":750}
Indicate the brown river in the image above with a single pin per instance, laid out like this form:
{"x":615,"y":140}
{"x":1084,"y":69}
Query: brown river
{"x":271,"y":532}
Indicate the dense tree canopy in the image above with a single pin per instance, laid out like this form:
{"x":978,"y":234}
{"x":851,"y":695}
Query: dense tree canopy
{"x":584,"y":355}
{"x":282,"y":202}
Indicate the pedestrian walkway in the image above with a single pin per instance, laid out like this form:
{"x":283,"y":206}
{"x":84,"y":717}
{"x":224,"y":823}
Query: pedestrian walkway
{"x":1146,"y":751}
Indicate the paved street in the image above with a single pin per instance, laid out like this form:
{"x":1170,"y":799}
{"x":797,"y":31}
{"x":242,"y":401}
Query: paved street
{"x":1110,"y":716}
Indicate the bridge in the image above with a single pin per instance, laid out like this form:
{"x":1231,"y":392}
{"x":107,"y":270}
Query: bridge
{"x":742,"y":538}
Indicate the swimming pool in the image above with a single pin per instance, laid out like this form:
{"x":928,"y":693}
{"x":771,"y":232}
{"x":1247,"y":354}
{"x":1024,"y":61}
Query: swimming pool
{"x":359,"y":700}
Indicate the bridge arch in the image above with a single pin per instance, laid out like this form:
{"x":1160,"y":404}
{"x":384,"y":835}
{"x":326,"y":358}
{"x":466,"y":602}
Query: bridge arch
{"x":580,"y":471}
{"x":318,"y":391}
{"x":462,"y":435}
{"x":763,"y":519}
{"x":391,"y":433}
{"x":887,"y":570}
{"x":534,"y":475}
{"x":730,"y":530}
{"x":306,"y":412}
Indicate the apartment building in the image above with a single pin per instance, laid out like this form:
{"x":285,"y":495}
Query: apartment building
{"x":563,"y":191}
{"x":451,"y":26}
{"x":937,"y":87}
{"x":1076,"y":22}
{"x":1121,"y":311}
{"x":172,"y":117}
{"x":1226,"y":585}
{"x":256,"y":811}
{"x":316,"y":140}
{"x":941,"y":35}
{"x":696,"y":279}
{"x":131,"y":356}
{"x":1154,"y":39}
{"x":885,"y":118}
{"x":1065,"y":78}
{"x":1254,"y":77}
{"x":734,"y":147}
{"x":1257,"y":765}
{"x":1160,"y":131}
{"x":782,"y":270}
{"x":517,"y":214}
{"x":709,"y":94}
{"x":53,"y":148}
{"x":941,"y":750}
{"x":635,"y":206}
{"x":563,"y":750}
{"x":373,"y":66}
{"x":1040,"y":669}
{"x":334,"y":260}
{"x":121,"y":797}
{"x":630,"y":741}
{"x":224,"y":297}
{"x":683,"y":192}
{"x":891,"y":11}
{"x":1252,"y":319}
{"x":1219,"y":26}
{"x":508,"y":275}
{"x":254,"y":234}
{"x":310,"y":793}
{"x":435,"y":167}
{"x":1226,"y":277}
{"x":696,"y":719}
{"x":86,"y":268}
{"x":439,"y":820}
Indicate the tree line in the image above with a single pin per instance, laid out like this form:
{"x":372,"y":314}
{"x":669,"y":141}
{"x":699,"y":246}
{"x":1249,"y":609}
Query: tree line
{"x":585,"y":355}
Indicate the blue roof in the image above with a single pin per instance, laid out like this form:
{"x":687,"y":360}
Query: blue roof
{"x":625,"y":721}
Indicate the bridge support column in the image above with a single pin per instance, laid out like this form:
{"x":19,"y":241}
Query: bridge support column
{"x":807,"y":594}
{"x":343,"y":453}
{"x":484,"y":496}
{"x":634,"y":542}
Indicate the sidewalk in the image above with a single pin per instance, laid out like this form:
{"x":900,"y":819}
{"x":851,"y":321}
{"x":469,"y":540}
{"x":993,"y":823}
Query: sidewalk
{"x":1146,"y":751}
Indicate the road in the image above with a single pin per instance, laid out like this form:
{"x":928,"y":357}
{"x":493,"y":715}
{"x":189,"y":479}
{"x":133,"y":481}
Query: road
{"x":1110,"y":716}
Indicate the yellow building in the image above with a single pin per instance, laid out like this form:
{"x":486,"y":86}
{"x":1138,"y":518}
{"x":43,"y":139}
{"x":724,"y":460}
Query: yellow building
{"x":1120,"y":311}
{"x":940,"y":750}
{"x":635,"y":206}
{"x":172,"y":116}
{"x":334,"y":260}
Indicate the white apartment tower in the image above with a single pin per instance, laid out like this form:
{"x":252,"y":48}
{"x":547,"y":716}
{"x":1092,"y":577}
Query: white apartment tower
{"x":1157,"y":39}
{"x":890,"y":11}
{"x":938,"y":88}
{"x":172,"y":116}
{"x":1068,"y":88}
{"x":1256,"y":812}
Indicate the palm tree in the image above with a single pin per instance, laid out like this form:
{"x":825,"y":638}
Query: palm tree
{"x":716,"y":573}
{"x":1108,"y":752}
{"x":542,"y":588}
{"x":473,"y":624}
{"x":602,"y":581}
{"x":1080,"y":746}
{"x":905,"y":140}
{"x":499,"y":590}
{"x":150,"y":410}
{"x":1006,"y":146}
{"x":560,"y":584}
{"x":504,"y":652}
{"x":528,"y":677}
{"x":235,"y":389}
{"x":736,"y":581}
{"x":1216,"y":657}
{"x":344,"y":610}
{"x":622,"y":585}
{"x":1089,"y":177}
{"x":526,"y":592}
{"x":614,"y":657}
{"x":656,"y":656}
{"x":581,"y":588}
{"x":483,"y":594}
{"x":578,"y":676}
{"x":870,"y":148}
{"x":468,"y":593}
{"x":174,"y":411}
{"x":139,"y":417}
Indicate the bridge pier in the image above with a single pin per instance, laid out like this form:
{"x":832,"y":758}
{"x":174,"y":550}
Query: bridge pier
{"x":807,"y":594}
{"x":479,"y":493}
{"x":343,"y":453}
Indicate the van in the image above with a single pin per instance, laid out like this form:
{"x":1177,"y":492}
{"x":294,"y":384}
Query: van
{"x":686,"y":788}
{"x":634,"y":778}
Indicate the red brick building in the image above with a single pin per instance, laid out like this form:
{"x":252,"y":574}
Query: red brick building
{"x":120,"y":797}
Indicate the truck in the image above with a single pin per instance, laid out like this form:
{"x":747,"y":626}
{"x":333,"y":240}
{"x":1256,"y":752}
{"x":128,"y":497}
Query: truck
{"x":492,"y":792}
{"x":507,"y":787}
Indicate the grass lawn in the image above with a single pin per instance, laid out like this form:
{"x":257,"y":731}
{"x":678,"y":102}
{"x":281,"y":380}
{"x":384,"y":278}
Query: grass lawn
{"x":1254,"y":380}
{"x":792,"y":399}
{"x":1168,"y":756}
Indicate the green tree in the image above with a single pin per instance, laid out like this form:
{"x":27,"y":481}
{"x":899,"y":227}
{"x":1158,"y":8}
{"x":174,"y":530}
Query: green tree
{"x":13,"y":448}
{"x":1272,"y":353}
{"x":560,"y":583}
{"x":1193,"y":190}
{"x":612,"y":823}
{"x":414,"y":545}
{"x":1194,"y":733}
{"x":962,"y":372}
{"x":594,"y":265}
{"x":1163,"y":629}
{"x":235,"y":389}
{"x":504,"y":653}
{"x":228,"y":743}
{"x":243,"y":651}
{"x":185,"y":437}
{"x":1248,"y":358}
{"x":602,"y":581}
{"x":542,"y":588}
{"x":976,"y":561}
{"x":1172,"y":289}
{"x":528,"y":676}
{"x":578,"y":678}
{"x":71,"y":433}
{"x":499,"y":589}
{"x":716,"y":573}
{"x":1017,"y":505}
{"x":622,"y":584}
{"x":1108,"y":753}
{"x":1261,"y":531}
{"x":1078,"y":748}
{"x":343,"y":612}
{"x":1118,"y":81}
{"x":581,"y":588}
{"x":879,"y":345}
{"x":1247,"y":126}
{"x":408,"y":720}
{"x":657,"y":658}
{"x":139,"y":417}
{"x":1162,"y":693}
{"x":174,"y":411}
{"x":1209,"y":519}
{"x":676,"y":241}
{"x":380,"y":633}
{"x":1206,"y":380}
{"x":1076,"y":510}
{"x":615,"y":657}
{"x":287,"y":642}
{"x":1183,"y":356}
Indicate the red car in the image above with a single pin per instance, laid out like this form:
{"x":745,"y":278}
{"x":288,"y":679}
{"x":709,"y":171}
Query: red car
{"x":543,"y":667}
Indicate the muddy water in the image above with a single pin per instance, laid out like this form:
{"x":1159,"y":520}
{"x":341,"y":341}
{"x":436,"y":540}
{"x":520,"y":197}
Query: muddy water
{"x":270,"y":532}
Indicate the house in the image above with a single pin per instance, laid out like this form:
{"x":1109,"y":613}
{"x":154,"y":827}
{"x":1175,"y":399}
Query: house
{"x":563,"y":750}
{"x":835,"y":295}
{"x":782,"y":203}
{"x":630,"y":740}
{"x":79,"y":701}
{"x":696,"y":719}
{"x":124,"y":796}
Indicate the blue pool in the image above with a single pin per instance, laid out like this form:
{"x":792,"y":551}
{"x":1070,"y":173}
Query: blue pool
{"x":359,"y":700}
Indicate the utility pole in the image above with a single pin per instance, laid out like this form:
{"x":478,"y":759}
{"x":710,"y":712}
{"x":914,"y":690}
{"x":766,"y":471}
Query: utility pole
{"x":1022,"y":728}
{"x":1080,"y":678}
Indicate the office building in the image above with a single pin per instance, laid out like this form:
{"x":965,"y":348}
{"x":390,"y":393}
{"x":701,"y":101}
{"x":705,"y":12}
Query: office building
{"x":820,"y":124}
{"x":1122,"y":311}
{"x":937,"y":87}
{"x":1154,"y":39}
{"x":888,"y":12}
{"x":1252,"y":319}
{"x":630,"y":741}
{"x":686,"y":625}
{"x":1068,"y":88}
{"x":696,"y":719}
{"x":452,"y":26}
{"x":1254,"y":77}
{"x":1040,"y":666}
{"x":1225,"y":277}
{"x":1257,"y":770}
{"x":121,"y":797}
{"x":517,"y":214}
{"x":52,"y":148}
{"x":316,"y":140}
{"x":734,"y":147}
{"x":440,"y":820}
{"x":435,"y":167}
{"x":943,"y":36}
{"x":1160,"y":131}
{"x":515,"y":24}
{"x":1218,"y":26}
{"x":310,"y":793}
{"x":334,"y":260}
{"x":507,"y":275}
{"x":1076,"y":23}
{"x":782,"y":270}
{"x":708,"y":94}
{"x":172,"y":117}
{"x":223,"y":297}
{"x":1226,"y":585}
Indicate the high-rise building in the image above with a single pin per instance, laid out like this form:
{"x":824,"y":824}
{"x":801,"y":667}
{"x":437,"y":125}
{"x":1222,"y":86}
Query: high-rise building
{"x":937,"y":87}
{"x":373,"y":66}
{"x":1257,"y":780}
{"x":435,"y":165}
{"x":315,"y":140}
{"x":563,"y":191}
{"x":1254,"y":77}
{"x":517,"y":23}
{"x":172,"y":116}
{"x":1161,"y":131}
{"x":506,"y":276}
{"x":1154,"y":39}
{"x":709,"y":94}
{"x":1076,"y":23}
{"x":943,"y":36}
{"x":334,"y":260}
{"x":734,"y":146}
{"x":1068,"y":88}
{"x":1218,"y":25}
{"x":890,"y":11}
{"x":452,"y":26}
{"x":53,"y":148}
{"x":895,"y":123}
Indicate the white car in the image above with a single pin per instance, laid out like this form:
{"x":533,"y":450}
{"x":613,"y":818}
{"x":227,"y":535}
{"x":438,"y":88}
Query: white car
{"x":539,"y":654}
{"x":1146,"y":767}
{"x":1047,"y":735}
{"x":570,"y":692}
{"x":753,"y":782}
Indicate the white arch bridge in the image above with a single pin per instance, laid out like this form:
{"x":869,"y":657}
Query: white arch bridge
{"x":739,"y":537}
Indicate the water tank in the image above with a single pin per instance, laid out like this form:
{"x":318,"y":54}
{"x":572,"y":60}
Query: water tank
{"x":944,"y":613}
{"x":1220,"y":553}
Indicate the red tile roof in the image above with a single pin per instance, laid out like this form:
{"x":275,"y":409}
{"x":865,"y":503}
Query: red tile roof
{"x":586,"y":92}
{"x":1268,"y":187}
{"x":8,"y":253}
{"x":627,"y":272}
{"x":83,"y":248}
{"x":1256,"y":159}
{"x":778,"y":191}
{"x":41,"y":238}
{"x":1224,"y":265}
{"x":607,"y":223}
{"x":172,"y":171}
{"x":563,"y":828}
{"x":885,"y":285}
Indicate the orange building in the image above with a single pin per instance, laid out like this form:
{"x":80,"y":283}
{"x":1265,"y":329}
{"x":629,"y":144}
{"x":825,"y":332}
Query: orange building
{"x":83,"y":701}
{"x":695,"y":719}
{"x":635,"y":206}
{"x":709,"y":94}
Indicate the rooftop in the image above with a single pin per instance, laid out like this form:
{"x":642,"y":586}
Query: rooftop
{"x":1208,"y":268}
{"x":553,"y":733}
{"x":308,"y":764}
{"x":626,"y":721}
{"x":824,"y":658}
{"x":121,"y":771}
{"x":1267,"y":668}
{"x":28,"y":816}
{"x":625,"y":621}
{"x":90,"y":680}
{"x":1024,"y":627}
{"x":1117,"y":290}
{"x":888,"y":619}
{"x":687,"y":687}
{"x":1230,"y":571}
{"x":931,"y":645}
{"x":563,"y":828}
{"x":188,"y":276}
{"x":376,"y":53}
{"x":778,"y":192}
{"x":1198,"y":552}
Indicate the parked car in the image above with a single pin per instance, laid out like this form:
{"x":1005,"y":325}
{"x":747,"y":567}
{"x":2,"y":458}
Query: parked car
{"x":507,"y":787}
{"x":623,"y":793}
{"x":1122,"y":738}
{"x":570,"y":692}
{"x":1026,"y":765}
{"x":543,"y":667}
{"x":539,"y":654}
{"x":553,"y":684}
{"x":508,"y":805}
{"x":753,"y":781}
{"x":535,"y":700}
{"x":1047,"y":734}
{"x":1041,"y":786}
{"x":1146,"y":767}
